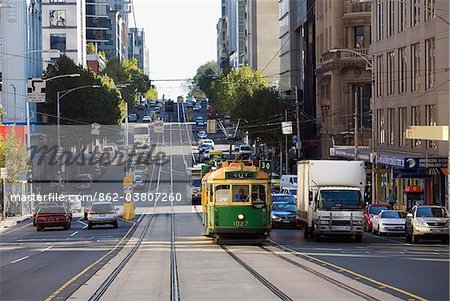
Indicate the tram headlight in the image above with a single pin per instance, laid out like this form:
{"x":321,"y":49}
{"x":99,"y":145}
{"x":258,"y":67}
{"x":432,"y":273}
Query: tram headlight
{"x":240,"y":216}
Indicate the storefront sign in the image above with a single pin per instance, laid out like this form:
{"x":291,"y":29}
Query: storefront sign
{"x":411,"y":163}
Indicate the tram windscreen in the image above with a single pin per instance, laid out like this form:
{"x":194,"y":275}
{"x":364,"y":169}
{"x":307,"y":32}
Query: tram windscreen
{"x":222,"y":193}
{"x":241,"y":193}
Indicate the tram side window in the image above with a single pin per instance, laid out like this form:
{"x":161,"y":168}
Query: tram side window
{"x":222,"y":193}
{"x":258,"y":193}
{"x":241,"y":193}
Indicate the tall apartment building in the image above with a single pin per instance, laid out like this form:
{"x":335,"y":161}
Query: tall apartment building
{"x":233,"y":20}
{"x":297,"y":54}
{"x":223,"y":44}
{"x":410,"y":52}
{"x":64,"y":29}
{"x":136,"y":46}
{"x":262,"y":32}
{"x":21,"y":56}
{"x":343,"y":76}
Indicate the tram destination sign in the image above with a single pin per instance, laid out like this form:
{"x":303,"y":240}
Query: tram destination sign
{"x":240,"y":175}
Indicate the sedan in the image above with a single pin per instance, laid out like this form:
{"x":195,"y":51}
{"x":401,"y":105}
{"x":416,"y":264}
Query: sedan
{"x":132,"y":118}
{"x":388,"y":221}
{"x":102,"y":213}
{"x":370,"y":211}
{"x":202,"y":135}
{"x":52,"y":216}
{"x":39,"y":206}
{"x":284,"y":214}
{"x":146,"y":119}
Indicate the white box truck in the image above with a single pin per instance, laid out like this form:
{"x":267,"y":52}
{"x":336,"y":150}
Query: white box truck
{"x":330,"y":197}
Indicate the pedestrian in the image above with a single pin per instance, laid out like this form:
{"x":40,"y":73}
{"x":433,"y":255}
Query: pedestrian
{"x":391,"y":198}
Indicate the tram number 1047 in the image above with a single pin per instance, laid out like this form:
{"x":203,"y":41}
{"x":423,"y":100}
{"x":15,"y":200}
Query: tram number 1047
{"x":240,"y":223}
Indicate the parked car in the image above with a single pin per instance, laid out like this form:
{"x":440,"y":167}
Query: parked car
{"x":146,"y":119}
{"x":202,"y":135}
{"x":388,"y":221}
{"x":52,"y":216}
{"x":84,"y":181}
{"x":427,"y":221}
{"x":245,"y":151}
{"x":290,"y":190}
{"x":284,"y":213}
{"x":208,"y":142}
{"x":370,"y":211}
{"x":132,"y":117}
{"x":102,"y":213}
{"x":284,"y":197}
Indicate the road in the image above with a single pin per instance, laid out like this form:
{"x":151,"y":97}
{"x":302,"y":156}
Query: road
{"x":167,"y":255}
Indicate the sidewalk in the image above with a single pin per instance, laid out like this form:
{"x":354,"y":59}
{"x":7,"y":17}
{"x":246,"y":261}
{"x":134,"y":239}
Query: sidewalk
{"x":10,"y":222}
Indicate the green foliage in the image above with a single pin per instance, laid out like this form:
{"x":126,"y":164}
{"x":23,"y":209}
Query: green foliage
{"x":231,"y":88}
{"x":89,"y":105}
{"x":201,"y":85}
{"x":2,"y":152}
{"x":90,"y":48}
{"x":15,"y":158}
{"x":102,"y":54}
{"x":151,"y":94}
{"x":128,"y":73}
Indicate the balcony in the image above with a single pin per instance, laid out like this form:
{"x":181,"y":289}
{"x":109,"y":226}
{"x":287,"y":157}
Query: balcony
{"x":347,"y":54}
{"x":353,"y":6}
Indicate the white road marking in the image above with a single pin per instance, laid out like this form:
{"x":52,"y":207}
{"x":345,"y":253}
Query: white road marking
{"x":20,"y":259}
{"x":46,"y":249}
{"x":13,"y":229}
{"x":74,"y":233}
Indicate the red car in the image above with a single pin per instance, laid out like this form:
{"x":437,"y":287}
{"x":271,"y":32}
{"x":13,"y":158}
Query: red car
{"x":52,"y":216}
{"x":370,"y":211}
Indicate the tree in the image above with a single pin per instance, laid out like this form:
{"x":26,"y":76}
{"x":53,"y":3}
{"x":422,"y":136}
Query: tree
{"x":151,"y":94}
{"x":230,"y":89}
{"x":90,"y":105}
{"x":15,"y":157}
{"x":200,"y":86}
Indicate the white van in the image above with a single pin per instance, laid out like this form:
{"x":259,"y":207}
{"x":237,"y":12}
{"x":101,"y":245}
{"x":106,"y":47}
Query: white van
{"x":287,"y":181}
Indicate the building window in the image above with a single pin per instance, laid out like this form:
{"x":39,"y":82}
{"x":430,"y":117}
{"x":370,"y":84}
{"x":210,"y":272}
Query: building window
{"x":430,"y":9}
{"x":401,"y":16}
{"x":390,"y":72}
{"x":430,"y":115}
{"x":430,"y":54}
{"x":58,"y":41}
{"x":359,"y":37}
{"x":415,"y":120}
{"x":380,"y":25}
{"x":57,"y":18}
{"x":402,"y":70}
{"x":380,"y":76}
{"x":391,"y":126}
{"x":391,"y":17}
{"x":415,"y":12}
{"x":381,"y":126}
{"x":415,"y":67}
{"x":403,"y":125}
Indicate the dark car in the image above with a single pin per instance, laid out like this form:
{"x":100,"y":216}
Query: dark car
{"x":370,"y":211}
{"x":283,"y":197}
{"x":51,"y":217}
{"x":284,"y":214}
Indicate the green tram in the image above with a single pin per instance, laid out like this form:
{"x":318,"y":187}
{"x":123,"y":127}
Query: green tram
{"x":236,"y":201}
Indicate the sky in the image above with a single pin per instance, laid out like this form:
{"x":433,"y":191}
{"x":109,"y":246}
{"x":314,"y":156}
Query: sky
{"x":180,"y":36}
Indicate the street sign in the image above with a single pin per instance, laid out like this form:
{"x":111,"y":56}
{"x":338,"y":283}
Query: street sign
{"x":95,"y":129}
{"x":294,"y":139}
{"x":158,"y":126}
{"x":3,"y":173}
{"x":36,"y":90}
{"x":265,"y":165}
{"x":211,"y":126}
{"x":286,"y":127}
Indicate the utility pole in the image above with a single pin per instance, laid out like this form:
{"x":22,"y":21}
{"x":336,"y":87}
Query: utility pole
{"x":286,"y":145}
{"x":297,"y":109}
{"x":356,"y":127}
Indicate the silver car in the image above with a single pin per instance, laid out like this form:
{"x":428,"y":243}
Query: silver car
{"x":426,"y":221}
{"x":102,"y":213}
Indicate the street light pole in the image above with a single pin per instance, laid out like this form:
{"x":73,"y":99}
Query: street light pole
{"x":15,"y":102}
{"x":297,"y":112}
